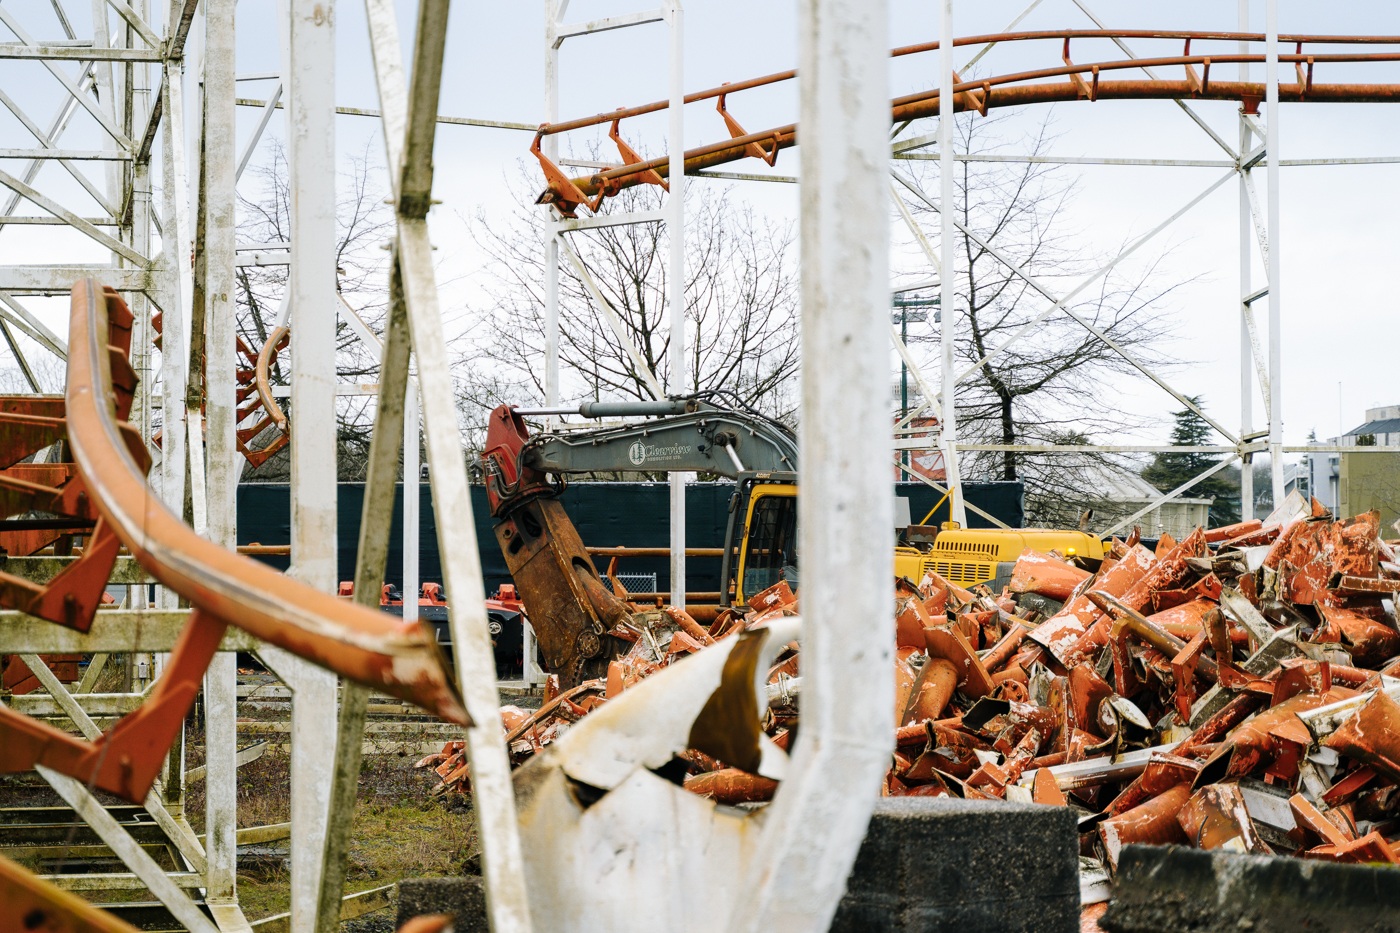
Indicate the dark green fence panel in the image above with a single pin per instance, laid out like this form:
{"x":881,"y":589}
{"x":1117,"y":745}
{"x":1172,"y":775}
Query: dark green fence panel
{"x":607,"y":515}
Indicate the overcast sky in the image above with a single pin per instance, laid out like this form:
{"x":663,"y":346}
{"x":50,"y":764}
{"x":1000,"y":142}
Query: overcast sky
{"x":1337,"y":241}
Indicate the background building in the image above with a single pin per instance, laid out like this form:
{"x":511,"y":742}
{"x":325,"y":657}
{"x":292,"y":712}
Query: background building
{"x":1353,"y":482}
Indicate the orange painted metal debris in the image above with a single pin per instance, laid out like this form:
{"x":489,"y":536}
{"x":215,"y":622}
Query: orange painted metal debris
{"x":731,"y":786}
{"x":1036,"y":572}
{"x":1166,"y":699}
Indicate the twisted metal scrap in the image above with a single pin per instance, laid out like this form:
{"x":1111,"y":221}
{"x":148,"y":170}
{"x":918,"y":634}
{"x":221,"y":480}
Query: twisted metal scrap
{"x":357,"y":643}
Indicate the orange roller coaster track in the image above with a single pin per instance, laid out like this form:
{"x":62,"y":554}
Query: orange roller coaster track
{"x":1066,"y":81}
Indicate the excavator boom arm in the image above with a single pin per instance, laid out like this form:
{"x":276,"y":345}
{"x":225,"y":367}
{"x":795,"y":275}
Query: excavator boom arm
{"x":725,"y":443}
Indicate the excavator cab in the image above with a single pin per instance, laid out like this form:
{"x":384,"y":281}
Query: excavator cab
{"x":768,"y":554}
{"x":762,"y":543}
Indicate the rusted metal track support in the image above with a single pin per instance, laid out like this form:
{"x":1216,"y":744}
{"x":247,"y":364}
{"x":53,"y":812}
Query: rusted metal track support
{"x":1066,"y":80}
{"x":225,"y":589}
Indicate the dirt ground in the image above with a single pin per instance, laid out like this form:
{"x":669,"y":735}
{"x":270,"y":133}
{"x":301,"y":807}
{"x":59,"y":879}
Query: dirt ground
{"x":399,"y":831}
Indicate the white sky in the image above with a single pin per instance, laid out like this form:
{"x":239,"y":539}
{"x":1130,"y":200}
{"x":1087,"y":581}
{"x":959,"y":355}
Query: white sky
{"x":1340,"y":336}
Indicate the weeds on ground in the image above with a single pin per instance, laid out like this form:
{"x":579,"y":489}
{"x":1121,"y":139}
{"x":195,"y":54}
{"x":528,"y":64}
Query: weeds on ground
{"x":398,"y":831}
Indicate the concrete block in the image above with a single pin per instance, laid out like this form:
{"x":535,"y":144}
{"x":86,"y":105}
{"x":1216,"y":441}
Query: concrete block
{"x":464,"y":898}
{"x":1171,"y":888}
{"x":938,"y":863}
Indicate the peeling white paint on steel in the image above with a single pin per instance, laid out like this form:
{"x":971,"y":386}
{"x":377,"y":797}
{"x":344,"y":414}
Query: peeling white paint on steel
{"x":1275,"y":266}
{"x":176,"y":291}
{"x":311,"y":136}
{"x":219,"y":450}
{"x":1247,"y":356}
{"x":647,"y":855}
{"x":553,"y":11}
{"x":412,"y":440}
{"x":675,"y":230}
{"x":948,"y":331}
{"x":408,"y":140}
{"x":818,"y":818}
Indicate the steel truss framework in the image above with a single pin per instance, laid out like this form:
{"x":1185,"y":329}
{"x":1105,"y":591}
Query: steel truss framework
{"x":1319,"y":66}
{"x":557,"y":31}
{"x":191,"y":281}
{"x":188,"y":122}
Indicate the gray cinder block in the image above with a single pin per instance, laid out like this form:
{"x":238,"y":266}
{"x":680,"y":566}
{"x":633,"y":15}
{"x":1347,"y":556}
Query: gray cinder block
{"x":938,"y":863}
{"x":927,"y":865}
{"x":1172,"y":888}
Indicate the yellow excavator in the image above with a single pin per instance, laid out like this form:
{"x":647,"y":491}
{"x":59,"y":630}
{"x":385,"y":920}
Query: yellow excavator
{"x":565,"y":599}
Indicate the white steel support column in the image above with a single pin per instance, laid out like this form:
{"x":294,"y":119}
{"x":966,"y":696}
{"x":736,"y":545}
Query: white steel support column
{"x":551,"y":312}
{"x":675,"y":228}
{"x":408,"y":137}
{"x":140,"y":175}
{"x":947,"y":286}
{"x":819,"y":816}
{"x":311,"y":135}
{"x":553,"y":11}
{"x":412,"y":438}
{"x":106,"y":96}
{"x":220,"y":449}
{"x":176,"y":289}
{"x":1246,"y":265}
{"x":1275,"y":260}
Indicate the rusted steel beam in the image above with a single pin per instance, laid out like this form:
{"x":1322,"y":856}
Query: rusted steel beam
{"x":1150,"y":823}
{"x":366,"y":646}
{"x":126,"y":759}
{"x":1372,"y":735}
{"x":1216,"y":817}
{"x":1059,"y":35}
{"x":1145,"y":629}
{"x":652,"y":552}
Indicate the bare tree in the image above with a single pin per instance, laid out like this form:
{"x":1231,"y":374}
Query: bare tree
{"x":363,"y":225}
{"x":1051,"y":384}
{"x":741,"y":307}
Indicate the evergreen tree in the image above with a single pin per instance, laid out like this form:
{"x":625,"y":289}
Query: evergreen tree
{"x":1170,"y":470}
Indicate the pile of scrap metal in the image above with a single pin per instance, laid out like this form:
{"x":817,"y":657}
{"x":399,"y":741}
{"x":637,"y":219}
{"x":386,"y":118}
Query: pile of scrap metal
{"x":664,"y":636}
{"x":1231,"y":690}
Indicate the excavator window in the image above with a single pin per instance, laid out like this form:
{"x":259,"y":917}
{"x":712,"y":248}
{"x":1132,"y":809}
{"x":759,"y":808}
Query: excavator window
{"x":771,"y":548}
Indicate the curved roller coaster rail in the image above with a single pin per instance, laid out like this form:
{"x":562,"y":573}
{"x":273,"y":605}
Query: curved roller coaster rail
{"x":223,"y":588}
{"x":257,"y":409}
{"x":1067,"y":80}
